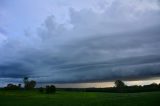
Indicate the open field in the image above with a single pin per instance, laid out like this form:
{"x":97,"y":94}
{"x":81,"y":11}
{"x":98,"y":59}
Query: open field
{"x":61,"y":98}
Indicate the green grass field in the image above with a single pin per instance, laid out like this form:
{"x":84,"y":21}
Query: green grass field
{"x":33,"y":98}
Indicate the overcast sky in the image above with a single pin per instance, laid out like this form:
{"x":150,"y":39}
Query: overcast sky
{"x":77,"y":41}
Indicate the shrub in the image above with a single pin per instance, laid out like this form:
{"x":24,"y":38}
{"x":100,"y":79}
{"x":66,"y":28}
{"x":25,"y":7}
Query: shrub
{"x":41,"y":89}
{"x":11,"y":87}
{"x":50,"y":89}
{"x":29,"y":84}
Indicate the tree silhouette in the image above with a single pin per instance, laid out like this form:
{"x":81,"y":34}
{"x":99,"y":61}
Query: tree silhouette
{"x":25,"y":80}
{"x":50,"y":89}
{"x":19,"y":85}
{"x":41,"y":89}
{"x":29,"y":84}
{"x":119,"y":84}
{"x":32,"y":84}
{"x":12,"y":87}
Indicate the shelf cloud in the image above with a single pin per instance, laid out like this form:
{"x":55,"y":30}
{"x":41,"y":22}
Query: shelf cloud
{"x":107,"y":41}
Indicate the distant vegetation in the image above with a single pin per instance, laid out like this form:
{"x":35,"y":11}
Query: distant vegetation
{"x":120,"y":87}
{"x":119,"y":84}
{"x":30,"y":85}
{"x":50,"y":89}
{"x":12,"y":87}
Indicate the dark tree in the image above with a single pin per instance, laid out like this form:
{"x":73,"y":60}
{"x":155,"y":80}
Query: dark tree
{"x":11,"y":87}
{"x":154,"y":85}
{"x":25,"y":80}
{"x":19,"y":85}
{"x":47,"y":89}
{"x":32,"y":84}
{"x":53,"y":88}
{"x":29,"y":84}
{"x":41,"y":89}
{"x":119,"y":84}
{"x":50,"y":89}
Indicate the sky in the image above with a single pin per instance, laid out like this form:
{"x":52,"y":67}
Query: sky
{"x":80,"y":41}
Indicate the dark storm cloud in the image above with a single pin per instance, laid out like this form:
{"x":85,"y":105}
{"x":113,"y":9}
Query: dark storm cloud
{"x":14,"y":70}
{"x":99,"y":46}
{"x":90,"y":64}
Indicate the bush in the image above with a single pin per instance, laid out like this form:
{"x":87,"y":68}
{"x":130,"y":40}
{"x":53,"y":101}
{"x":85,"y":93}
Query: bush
{"x":12,"y":87}
{"x":119,"y":84}
{"x":30,"y":85}
{"x":50,"y":89}
{"x":41,"y":89}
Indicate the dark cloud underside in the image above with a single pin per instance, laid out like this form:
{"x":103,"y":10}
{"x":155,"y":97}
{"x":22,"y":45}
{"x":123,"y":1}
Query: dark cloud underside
{"x":97,"y":46}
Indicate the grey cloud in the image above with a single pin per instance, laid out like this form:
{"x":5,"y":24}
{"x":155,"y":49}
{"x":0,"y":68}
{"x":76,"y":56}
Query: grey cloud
{"x":15,"y":70}
{"x":2,"y":3}
{"x":2,"y":30}
{"x":100,"y":47}
{"x":74,"y":65}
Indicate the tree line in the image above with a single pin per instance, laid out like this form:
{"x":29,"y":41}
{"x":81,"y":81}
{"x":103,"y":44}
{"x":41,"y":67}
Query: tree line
{"x":119,"y":87}
{"x":30,"y":85}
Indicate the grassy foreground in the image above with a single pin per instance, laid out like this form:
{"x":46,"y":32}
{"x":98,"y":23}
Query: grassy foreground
{"x":33,"y":98}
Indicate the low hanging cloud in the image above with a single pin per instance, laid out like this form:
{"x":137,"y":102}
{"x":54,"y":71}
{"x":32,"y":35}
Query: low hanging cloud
{"x":119,"y":42}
